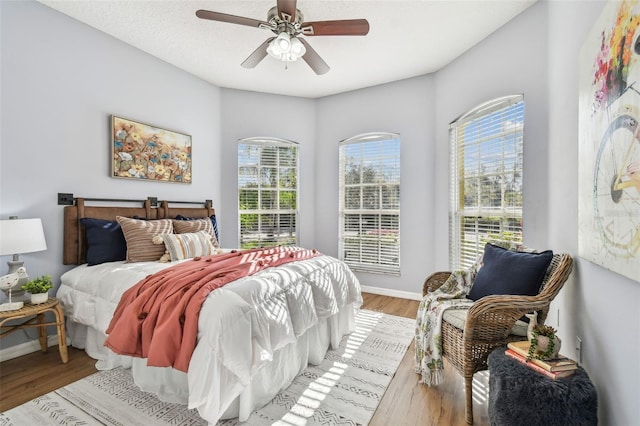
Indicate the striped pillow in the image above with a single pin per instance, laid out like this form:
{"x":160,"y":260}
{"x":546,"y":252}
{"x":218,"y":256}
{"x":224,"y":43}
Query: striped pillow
{"x":195,"y":225}
{"x":139,"y":237}
{"x":187,"y":246}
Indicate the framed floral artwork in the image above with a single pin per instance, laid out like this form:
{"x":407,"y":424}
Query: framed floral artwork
{"x":609,"y":144}
{"x":146,"y":152}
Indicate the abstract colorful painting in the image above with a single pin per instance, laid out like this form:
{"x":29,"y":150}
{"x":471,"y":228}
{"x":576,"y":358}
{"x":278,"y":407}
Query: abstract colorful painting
{"x":609,"y":144}
{"x":142,"y":151}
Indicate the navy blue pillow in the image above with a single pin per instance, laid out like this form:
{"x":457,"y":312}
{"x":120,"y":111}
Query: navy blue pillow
{"x":510,"y":272}
{"x":214,"y":222}
{"x":105,"y":241}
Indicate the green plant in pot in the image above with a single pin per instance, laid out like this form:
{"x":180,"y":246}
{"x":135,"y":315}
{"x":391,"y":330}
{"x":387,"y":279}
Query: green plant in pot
{"x":544,"y":344}
{"x":39,"y":288}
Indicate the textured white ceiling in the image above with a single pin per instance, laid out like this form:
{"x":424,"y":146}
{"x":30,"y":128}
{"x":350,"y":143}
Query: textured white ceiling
{"x":406,"y":38}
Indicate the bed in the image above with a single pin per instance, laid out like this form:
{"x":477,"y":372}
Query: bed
{"x":254,"y":335}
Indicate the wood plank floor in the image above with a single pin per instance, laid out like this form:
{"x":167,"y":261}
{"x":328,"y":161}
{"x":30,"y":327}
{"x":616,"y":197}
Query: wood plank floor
{"x":405,"y":403}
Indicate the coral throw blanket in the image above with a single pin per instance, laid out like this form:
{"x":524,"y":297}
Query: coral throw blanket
{"x":157,"y":318}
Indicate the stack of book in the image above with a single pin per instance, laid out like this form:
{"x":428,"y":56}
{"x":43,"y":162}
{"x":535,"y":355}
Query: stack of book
{"x":553,"y":368}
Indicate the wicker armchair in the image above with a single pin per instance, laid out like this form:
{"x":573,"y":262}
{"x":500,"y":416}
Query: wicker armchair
{"x":490,"y":320}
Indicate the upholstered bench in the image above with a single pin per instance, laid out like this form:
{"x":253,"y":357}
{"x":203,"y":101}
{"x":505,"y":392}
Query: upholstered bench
{"x":519,"y":395}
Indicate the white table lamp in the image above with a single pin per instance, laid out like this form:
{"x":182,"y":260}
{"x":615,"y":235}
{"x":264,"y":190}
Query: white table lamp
{"x":19,"y":236}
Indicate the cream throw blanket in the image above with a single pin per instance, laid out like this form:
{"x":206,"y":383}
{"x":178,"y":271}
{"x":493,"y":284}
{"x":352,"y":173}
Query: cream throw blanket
{"x":428,"y":348}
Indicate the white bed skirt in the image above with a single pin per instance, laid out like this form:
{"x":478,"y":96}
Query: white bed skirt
{"x":235,"y":399}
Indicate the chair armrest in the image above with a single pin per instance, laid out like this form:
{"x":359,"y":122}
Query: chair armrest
{"x":502,"y":302}
{"x":493,"y":317}
{"x":434,"y":281}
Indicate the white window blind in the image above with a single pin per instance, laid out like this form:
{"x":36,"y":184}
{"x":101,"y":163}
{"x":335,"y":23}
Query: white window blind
{"x":370,"y":202}
{"x":267,"y":192}
{"x":486,"y":178}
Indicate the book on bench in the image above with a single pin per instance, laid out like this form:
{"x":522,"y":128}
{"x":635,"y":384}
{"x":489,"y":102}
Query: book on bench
{"x":560,"y":363}
{"x":550,"y":374}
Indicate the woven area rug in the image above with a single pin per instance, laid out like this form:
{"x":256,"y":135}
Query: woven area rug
{"x":344,"y":389}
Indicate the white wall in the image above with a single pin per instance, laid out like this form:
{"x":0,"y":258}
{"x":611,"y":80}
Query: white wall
{"x":405,"y":107}
{"x":598,"y":305}
{"x":248,"y":114}
{"x":510,"y":61}
{"x":60,"y":82}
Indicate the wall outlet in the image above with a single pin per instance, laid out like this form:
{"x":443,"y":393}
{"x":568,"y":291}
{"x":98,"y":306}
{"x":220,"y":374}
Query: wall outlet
{"x":558,"y":319}
{"x":579,"y":349}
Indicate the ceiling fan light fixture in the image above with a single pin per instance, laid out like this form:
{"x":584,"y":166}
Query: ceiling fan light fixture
{"x":280,"y":45}
{"x":297,"y":48}
{"x":286,"y":48}
{"x":283,"y":41}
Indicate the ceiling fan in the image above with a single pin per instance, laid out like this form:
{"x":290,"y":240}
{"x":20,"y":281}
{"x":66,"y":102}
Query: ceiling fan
{"x":288,"y":24}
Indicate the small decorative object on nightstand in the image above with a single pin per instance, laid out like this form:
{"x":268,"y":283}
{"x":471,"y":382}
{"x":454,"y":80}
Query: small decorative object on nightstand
{"x":39,"y":288}
{"x":7,"y":283}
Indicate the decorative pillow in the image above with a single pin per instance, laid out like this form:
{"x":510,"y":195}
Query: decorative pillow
{"x":192,"y":225}
{"x":105,"y":241}
{"x":214,"y":223}
{"x":509,"y":272}
{"x":195,"y":225}
{"x":190,"y":245}
{"x":139,"y":236}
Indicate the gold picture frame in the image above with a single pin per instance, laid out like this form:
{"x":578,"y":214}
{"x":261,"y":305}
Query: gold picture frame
{"x":145,"y":152}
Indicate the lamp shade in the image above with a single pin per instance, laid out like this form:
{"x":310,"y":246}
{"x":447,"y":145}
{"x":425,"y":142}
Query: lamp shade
{"x":286,"y":48}
{"x":19,"y":236}
{"x":297,"y":48}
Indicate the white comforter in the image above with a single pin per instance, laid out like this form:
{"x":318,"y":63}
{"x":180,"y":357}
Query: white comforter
{"x":287,"y":315}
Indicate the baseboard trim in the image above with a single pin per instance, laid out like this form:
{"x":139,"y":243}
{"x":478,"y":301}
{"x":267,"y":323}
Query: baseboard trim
{"x":27,"y":348}
{"x":392,"y":293}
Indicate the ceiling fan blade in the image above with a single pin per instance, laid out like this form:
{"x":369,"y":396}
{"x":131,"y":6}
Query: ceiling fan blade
{"x":232,"y":19}
{"x":336,"y":28}
{"x":311,"y":57}
{"x":257,"y":55}
{"x":287,"y":10}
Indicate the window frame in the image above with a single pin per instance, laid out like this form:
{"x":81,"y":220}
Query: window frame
{"x":261,"y":143}
{"x":464,"y":251}
{"x":374,"y":255}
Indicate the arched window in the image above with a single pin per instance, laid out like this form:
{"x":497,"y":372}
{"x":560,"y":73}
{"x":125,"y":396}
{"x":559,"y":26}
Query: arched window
{"x":486,"y":178}
{"x":370,"y":202}
{"x":267,"y":192}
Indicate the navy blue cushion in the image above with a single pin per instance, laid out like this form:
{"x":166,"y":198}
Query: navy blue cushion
{"x":214,"y":222}
{"x":105,"y":241}
{"x":510,"y":272}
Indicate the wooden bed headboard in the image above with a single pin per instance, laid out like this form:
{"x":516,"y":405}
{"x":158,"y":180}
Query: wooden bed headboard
{"x":75,"y":245}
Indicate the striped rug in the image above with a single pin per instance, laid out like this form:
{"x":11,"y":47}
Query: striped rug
{"x":344,"y":389}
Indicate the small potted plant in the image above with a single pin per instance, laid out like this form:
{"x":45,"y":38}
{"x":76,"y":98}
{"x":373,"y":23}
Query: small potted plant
{"x":38,"y":288}
{"x":544,"y":344}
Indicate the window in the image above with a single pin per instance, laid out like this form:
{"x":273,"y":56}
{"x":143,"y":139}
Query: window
{"x":370,"y":202}
{"x":267,"y":192}
{"x":486,"y":178}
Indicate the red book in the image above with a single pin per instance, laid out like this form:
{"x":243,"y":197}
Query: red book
{"x":552,"y":375}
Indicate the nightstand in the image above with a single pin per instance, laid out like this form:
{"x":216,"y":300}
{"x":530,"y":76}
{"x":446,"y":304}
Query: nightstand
{"x":37,"y":314}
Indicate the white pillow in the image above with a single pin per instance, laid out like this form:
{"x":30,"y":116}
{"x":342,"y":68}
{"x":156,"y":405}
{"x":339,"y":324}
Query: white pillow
{"x":187,"y":246}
